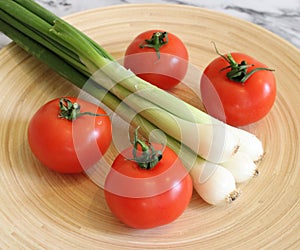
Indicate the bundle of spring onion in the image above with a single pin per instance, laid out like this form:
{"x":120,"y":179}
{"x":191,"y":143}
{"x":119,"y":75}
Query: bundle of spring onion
{"x":216,"y":154}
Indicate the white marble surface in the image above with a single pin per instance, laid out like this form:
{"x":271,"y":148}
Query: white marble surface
{"x":280,"y":17}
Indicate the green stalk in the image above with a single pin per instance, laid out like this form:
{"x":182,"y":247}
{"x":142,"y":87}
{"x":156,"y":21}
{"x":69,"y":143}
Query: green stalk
{"x":68,"y":44}
{"x":49,"y":17}
{"x":38,"y":10}
{"x":68,"y":37}
{"x":44,"y":55}
{"x":22,"y":28}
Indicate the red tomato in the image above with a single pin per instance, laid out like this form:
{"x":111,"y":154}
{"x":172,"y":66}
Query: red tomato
{"x":68,"y":146}
{"x":147,"y":198}
{"x":234,"y":102}
{"x":164,"y":68}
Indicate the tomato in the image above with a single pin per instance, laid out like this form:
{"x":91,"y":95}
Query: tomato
{"x":69,"y":146}
{"x":147,"y":197}
{"x":233,"y":101}
{"x":164,"y":65}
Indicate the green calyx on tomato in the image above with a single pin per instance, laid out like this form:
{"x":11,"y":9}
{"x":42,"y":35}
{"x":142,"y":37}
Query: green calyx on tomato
{"x":238,"y":71}
{"x":149,"y":157}
{"x":147,"y":198}
{"x":71,"y":111}
{"x":157,"y":40}
{"x":164,"y":67}
{"x":69,"y":147}
{"x":231,"y":100}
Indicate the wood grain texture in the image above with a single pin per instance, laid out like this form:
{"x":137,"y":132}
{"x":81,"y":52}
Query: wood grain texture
{"x":44,"y":210}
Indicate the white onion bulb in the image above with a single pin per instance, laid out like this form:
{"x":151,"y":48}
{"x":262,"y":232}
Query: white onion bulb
{"x":249,"y":144}
{"x":214,"y":183}
{"x":241,"y":166}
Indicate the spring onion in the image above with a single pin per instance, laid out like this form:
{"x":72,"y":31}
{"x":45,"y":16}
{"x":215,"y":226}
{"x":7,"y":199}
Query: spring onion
{"x":79,"y":59}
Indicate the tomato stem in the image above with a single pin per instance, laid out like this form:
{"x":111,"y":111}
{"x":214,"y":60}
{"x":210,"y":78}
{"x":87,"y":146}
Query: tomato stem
{"x":238,"y":71}
{"x":149,"y":157}
{"x":157,"y":40}
{"x":71,"y":111}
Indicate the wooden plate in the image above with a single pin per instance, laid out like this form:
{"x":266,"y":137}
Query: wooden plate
{"x":42,"y":209}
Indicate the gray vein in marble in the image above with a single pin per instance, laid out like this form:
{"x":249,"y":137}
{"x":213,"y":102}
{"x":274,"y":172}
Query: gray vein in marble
{"x":181,"y":2}
{"x":287,"y":27}
{"x":56,"y":4}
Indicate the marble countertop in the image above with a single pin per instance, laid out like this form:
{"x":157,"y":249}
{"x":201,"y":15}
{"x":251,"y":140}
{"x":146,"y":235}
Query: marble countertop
{"x":279,"y":17}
